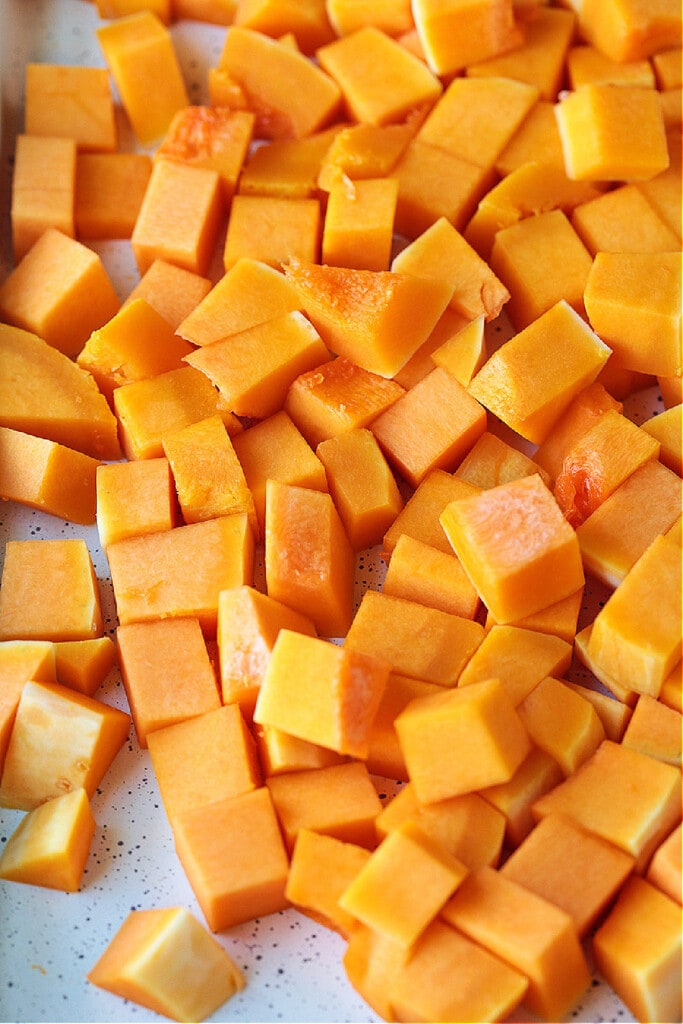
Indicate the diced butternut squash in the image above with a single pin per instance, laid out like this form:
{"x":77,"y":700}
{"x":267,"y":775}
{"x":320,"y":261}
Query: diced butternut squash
{"x":321,"y":692}
{"x":538,"y":774}
{"x":420,"y":516}
{"x":562,"y":723}
{"x":83,"y":665}
{"x":60,"y":291}
{"x":667,"y":428}
{"x":422,"y":573}
{"x":416,"y":640}
{"x":51,"y":844}
{"x":377,"y":319}
{"x":309,"y":561}
{"x":72,"y":102}
{"x":359,"y":223}
{"x":66,"y":604}
{"x":43,"y":189}
{"x":134,"y":498}
{"x":21,"y":660}
{"x":581,"y":413}
{"x":385,"y":757}
{"x":664,"y":870}
{"x":287,"y":168}
{"x":638,"y":950}
{"x":61,"y":741}
{"x":371,"y":962}
{"x":461,"y":34}
{"x":527,"y":932}
{"x":320,"y":869}
{"x":655,"y":730}
{"x":363,"y":150}
{"x":253,"y":369}
{"x":272,"y":229}
{"x":337,"y":396}
{"x":166,"y":961}
{"x":181,"y":572}
{"x":172,"y":291}
{"x":613,"y":714}
{"x":139,"y":51}
{"x":464,"y":351}
{"x":110,"y":188}
{"x":280,"y":752}
{"x":622,"y":220}
{"x":632,"y":30}
{"x":178,"y":753}
{"x":436,"y":731}
{"x":520,"y":658}
{"x":516,"y":547}
{"x":536,"y":139}
{"x":44,"y":392}
{"x":46,"y":475}
{"x":492,"y":461}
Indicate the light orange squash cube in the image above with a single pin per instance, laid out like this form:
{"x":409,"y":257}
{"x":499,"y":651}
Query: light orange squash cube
{"x":165,"y":960}
{"x":287,"y":168}
{"x":72,"y":102}
{"x":172,"y":291}
{"x":83,"y":665}
{"x":622,"y":220}
{"x":363,"y":150}
{"x":667,"y":428}
{"x":139,"y":51}
{"x":519,"y":657}
{"x":279,"y":752}
{"x":384,"y":757}
{"x":655,"y":730}
{"x":562,"y":723}
{"x":50,"y":845}
{"x":320,"y":869}
{"x":181,"y":572}
{"x":538,"y":774}
{"x":321,"y":692}
{"x":492,"y":461}
{"x":110,"y":188}
{"x":536,"y":139}
{"x":422,"y":573}
{"x":43,"y":189}
{"x":460,"y":34}
{"x":134,"y":498}
{"x":631,"y":31}
{"x":464,"y":351}
{"x":518,"y":569}
{"x":272,"y":229}
{"x":461,"y":740}
{"x":66,"y":606}
{"x":359,"y":224}
{"x":173,"y":650}
{"x":420,"y":516}
{"x":21,"y":660}
{"x":664,"y":870}
{"x":581,"y":413}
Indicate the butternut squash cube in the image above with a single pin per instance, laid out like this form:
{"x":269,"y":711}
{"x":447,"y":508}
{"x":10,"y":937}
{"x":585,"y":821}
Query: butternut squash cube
{"x":422,"y":573}
{"x":359,"y":223}
{"x":393,"y":17}
{"x":538,"y":774}
{"x":667,"y":428}
{"x":42,"y":198}
{"x":280,"y":752}
{"x":622,"y":220}
{"x":380,"y":81}
{"x":134,"y":498}
{"x":136,"y":344}
{"x":339,"y":800}
{"x":358,"y":312}
{"x":420,"y":516}
{"x":252,"y":370}
{"x":181,"y":572}
{"x":460,"y":33}
{"x":613,"y":714}
{"x":559,"y":619}
{"x":583,"y":885}
{"x":655,"y":730}
{"x":208,"y":477}
{"x":519,"y":382}
{"x":21,"y":660}
{"x":418,"y":641}
{"x":516,"y":547}
{"x":448,"y":977}
{"x":461,"y":740}
{"x":110,"y":188}
{"x":307,"y":22}
{"x":172,"y":291}
{"x":309,"y":561}
{"x":631,"y":31}
{"x":50,"y":845}
{"x":179,"y":218}
{"x":363,"y":150}
{"x":274,"y":448}
{"x":60,"y":741}
{"x":581,"y":413}
{"x":321,"y":692}
{"x":272,"y":229}
{"x":464,"y":351}
{"x":384,"y":757}
{"x":403,"y":885}
{"x":248,"y":625}
{"x":337,"y":396}
{"x":172,"y":650}
{"x":287,"y":168}
{"x":664,"y":870}
{"x":60,"y":291}
{"x":66,"y":605}
{"x":432,"y":426}
{"x":320,"y":869}
{"x":587,"y":63}
{"x":166,"y":961}
{"x":83,"y":665}
{"x":72,"y":102}
{"x":48,"y":476}
{"x":526,"y":931}
{"x":596,"y":124}
{"x":562,"y":723}
{"x":149,"y":409}
{"x":636,"y":635}
{"x":139,"y":52}
{"x":294,"y":99}
{"x":638,"y":950}
{"x":520,"y":256}
{"x":372,"y":962}
{"x":492,"y":461}
{"x":178,"y":752}
{"x":520,"y":658}
{"x":633,"y":301}
{"x":362,"y":485}
{"x":536,"y":139}
{"x":627,"y":797}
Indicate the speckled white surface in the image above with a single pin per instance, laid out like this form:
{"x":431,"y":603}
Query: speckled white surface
{"x":49,"y":940}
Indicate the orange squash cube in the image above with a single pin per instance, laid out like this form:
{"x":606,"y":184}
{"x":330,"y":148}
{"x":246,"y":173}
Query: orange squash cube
{"x":42,"y":198}
{"x":667,"y":428}
{"x":492,"y":461}
{"x":72,"y":102}
{"x":664,"y":870}
{"x":309,"y":561}
{"x":139,"y":52}
{"x":134,"y":498}
{"x":179,"y":573}
{"x":562,"y":723}
{"x":613,"y":714}
{"x":418,"y":641}
{"x":622,"y":220}
{"x":422,"y":573}
{"x":464,"y":33}
{"x":172,"y":291}
{"x":559,"y":619}
{"x":173,"y":650}
{"x":638,"y":950}
{"x":21,"y":660}
{"x":519,"y":382}
{"x":464,"y":351}
{"x":178,"y":752}
{"x":536,"y":139}
{"x":179,"y":218}
{"x":655,"y":730}
{"x":253,"y":369}
{"x":165,"y":960}
{"x":287,"y":168}
{"x":320,"y":869}
{"x":461,"y":740}
{"x":420,"y":516}
{"x":321,"y":692}
{"x":538,"y":773}
{"x":272,"y":229}
{"x":518,"y":569}
{"x":336,"y":397}
{"x":60,"y":291}
{"x":66,"y":605}
{"x":384,"y":757}
{"x":110,"y":188}
{"x":83,"y":665}
{"x":359,"y":223}
{"x":586,"y":63}
{"x":307,"y":22}
{"x":363,"y":150}
{"x":61,"y":741}
{"x":280,"y":752}
{"x":519,"y":657}
{"x":630,"y":31}
{"x":581,"y":413}
{"x":358,"y":312}
{"x":51,"y":844}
